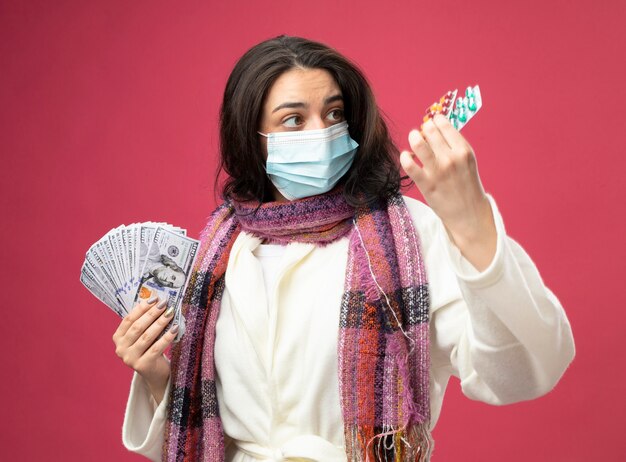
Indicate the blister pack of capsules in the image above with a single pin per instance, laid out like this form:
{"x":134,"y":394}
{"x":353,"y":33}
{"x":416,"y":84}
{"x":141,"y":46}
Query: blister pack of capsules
{"x":459,"y":110}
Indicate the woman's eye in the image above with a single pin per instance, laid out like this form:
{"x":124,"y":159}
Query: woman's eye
{"x":336,"y":114}
{"x":293,"y":121}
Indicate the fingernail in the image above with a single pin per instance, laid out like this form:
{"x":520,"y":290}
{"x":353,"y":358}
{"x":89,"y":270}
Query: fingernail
{"x":169,"y":312}
{"x":174,"y":329}
{"x":152,"y":300}
{"x":162,"y":304}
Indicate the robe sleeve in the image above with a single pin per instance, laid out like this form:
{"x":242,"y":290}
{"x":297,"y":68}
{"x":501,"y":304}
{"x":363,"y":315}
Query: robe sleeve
{"x":501,"y":331}
{"x":144,"y":421}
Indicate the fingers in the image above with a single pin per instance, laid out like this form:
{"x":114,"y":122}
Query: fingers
{"x":452,"y":136}
{"x":434,"y":137}
{"x":138,"y":311}
{"x":139,"y":345}
{"x":411,"y":168}
{"x":438,"y":144}
{"x":138,"y":327}
{"x":161,"y":344}
{"x":138,"y":348}
{"x":421,"y":149}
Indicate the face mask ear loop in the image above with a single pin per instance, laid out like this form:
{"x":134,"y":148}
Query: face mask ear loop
{"x":263,"y":134}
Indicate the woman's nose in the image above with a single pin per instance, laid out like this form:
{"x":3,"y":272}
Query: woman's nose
{"x":316,"y":123}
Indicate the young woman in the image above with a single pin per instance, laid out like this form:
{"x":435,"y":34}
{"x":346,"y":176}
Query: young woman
{"x":326,"y":312}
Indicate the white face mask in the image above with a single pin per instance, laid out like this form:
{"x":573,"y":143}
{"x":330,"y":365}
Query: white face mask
{"x":309,"y":162}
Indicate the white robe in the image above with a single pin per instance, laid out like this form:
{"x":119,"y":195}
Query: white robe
{"x":501,"y":331}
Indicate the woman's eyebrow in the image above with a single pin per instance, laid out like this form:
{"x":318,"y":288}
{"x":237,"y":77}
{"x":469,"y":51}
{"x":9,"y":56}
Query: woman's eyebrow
{"x":290,"y":105}
{"x":332,"y":99}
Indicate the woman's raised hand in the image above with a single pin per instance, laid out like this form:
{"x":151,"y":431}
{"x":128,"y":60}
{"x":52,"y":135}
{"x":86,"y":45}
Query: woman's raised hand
{"x":448,"y":179}
{"x":135,"y":343}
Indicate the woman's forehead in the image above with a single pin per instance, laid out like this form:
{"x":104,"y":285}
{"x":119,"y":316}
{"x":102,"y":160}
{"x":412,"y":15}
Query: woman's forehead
{"x":300,"y":84}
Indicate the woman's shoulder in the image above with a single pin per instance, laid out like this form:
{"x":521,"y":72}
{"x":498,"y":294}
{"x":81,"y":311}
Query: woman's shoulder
{"x":425,"y":220}
{"x":442,"y":281}
{"x":418,"y":208}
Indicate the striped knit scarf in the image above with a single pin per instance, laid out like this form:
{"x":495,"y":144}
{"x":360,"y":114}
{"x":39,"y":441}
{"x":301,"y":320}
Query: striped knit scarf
{"x":383,"y":333}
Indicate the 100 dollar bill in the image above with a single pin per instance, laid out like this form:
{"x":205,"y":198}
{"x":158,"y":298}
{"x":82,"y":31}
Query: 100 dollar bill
{"x":167,"y":265}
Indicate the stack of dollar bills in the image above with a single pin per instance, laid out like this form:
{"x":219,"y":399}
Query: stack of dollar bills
{"x":137,"y":262}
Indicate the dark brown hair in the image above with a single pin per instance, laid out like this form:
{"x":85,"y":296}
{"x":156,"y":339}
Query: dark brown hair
{"x":374,"y":172}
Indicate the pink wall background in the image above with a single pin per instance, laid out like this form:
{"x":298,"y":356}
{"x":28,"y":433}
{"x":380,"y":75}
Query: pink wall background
{"x":108,"y":116}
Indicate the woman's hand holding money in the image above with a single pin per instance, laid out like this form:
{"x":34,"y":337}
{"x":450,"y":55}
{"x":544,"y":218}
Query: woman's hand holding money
{"x":135,"y":343}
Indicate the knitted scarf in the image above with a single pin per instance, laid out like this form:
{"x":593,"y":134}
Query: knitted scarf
{"x":383,"y":333}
